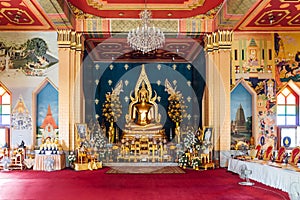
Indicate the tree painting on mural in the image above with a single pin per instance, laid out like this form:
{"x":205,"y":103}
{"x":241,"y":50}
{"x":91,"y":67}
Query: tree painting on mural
{"x":31,"y":57}
{"x":241,"y":117}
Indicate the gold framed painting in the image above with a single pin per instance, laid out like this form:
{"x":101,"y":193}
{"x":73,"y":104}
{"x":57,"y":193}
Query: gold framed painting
{"x":207,"y":134}
{"x":81,"y":131}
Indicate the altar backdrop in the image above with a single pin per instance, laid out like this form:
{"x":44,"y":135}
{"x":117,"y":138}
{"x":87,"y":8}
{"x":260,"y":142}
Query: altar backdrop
{"x":102,"y":77}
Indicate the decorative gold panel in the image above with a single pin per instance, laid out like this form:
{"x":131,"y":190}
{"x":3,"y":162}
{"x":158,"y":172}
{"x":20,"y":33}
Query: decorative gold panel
{"x":127,"y":25}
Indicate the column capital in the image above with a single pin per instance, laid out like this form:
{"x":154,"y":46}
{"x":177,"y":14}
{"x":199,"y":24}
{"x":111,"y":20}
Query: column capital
{"x":69,"y":39}
{"x":218,"y":40}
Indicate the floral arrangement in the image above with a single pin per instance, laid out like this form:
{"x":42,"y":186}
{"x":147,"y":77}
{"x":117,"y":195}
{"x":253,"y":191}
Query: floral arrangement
{"x":71,"y":157}
{"x":189,"y":140}
{"x":196,"y":162}
{"x":183,"y":161}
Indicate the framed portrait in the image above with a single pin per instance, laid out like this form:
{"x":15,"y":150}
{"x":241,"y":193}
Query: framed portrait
{"x":81,"y":130}
{"x":207,"y":134}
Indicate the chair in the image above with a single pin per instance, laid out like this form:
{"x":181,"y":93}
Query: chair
{"x":82,"y":155}
{"x":17,"y":159}
{"x":280,"y":154}
{"x":294,"y":157}
{"x":268,"y":153}
{"x":206,"y":161}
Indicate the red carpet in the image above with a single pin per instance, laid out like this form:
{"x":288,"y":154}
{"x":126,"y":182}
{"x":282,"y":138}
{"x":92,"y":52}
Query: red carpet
{"x":85,"y":185}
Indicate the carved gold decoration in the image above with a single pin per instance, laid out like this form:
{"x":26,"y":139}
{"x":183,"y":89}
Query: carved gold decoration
{"x":218,"y":40}
{"x":79,"y":14}
{"x":68,"y":38}
{"x":121,"y":25}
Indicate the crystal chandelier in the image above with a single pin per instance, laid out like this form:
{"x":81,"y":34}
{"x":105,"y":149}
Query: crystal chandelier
{"x":145,"y":38}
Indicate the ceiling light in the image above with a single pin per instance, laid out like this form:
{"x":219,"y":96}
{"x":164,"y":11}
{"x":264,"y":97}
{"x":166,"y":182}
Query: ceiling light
{"x":146,"y":38}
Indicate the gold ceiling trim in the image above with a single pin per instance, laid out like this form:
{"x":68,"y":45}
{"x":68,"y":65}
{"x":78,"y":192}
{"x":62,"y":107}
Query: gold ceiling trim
{"x":103,"y":5}
{"x":79,"y":13}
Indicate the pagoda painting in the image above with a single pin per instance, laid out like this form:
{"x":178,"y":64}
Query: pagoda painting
{"x":21,"y":118}
{"x":241,"y":115}
{"x":49,"y":127}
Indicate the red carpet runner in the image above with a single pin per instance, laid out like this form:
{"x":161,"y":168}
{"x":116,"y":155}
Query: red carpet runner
{"x":88,"y":185}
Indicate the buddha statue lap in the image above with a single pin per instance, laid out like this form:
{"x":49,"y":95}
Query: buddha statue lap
{"x":143,"y":117}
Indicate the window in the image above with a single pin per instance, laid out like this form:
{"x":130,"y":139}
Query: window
{"x":5,"y":106}
{"x":270,"y":54}
{"x":243,"y":54}
{"x":235,"y":54}
{"x":287,"y":118}
{"x":5,"y":111}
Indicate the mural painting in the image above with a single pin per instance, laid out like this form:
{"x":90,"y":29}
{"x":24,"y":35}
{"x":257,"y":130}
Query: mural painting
{"x":21,"y":118}
{"x":241,"y":116}
{"x":31,"y":57}
{"x":47,"y":113}
{"x":253,"y":61}
{"x":287,"y":57}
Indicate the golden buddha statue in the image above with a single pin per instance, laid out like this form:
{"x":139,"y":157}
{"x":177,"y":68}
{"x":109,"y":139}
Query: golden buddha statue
{"x":143,"y":117}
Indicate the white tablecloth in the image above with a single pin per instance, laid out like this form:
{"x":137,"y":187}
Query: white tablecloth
{"x":280,"y":178}
{"x":59,"y":161}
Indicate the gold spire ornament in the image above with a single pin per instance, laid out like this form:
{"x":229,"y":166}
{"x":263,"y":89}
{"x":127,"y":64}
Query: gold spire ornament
{"x":176,"y":108}
{"x":112,"y":109}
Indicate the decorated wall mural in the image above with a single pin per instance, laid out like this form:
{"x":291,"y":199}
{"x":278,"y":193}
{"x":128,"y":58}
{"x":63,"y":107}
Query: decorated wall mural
{"x":254,"y":61}
{"x":26,"y":60}
{"x":47,"y":113}
{"x":31,"y":57}
{"x":241,"y":116}
{"x":20,"y":117}
{"x":287,"y":57}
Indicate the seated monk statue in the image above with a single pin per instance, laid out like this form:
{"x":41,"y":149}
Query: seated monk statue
{"x":142,"y":115}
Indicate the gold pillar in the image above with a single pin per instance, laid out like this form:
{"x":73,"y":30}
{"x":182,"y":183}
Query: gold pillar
{"x":217,"y":92}
{"x":70,"y":78}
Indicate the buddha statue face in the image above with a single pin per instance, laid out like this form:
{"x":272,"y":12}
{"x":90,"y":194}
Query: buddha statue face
{"x":143,"y":94}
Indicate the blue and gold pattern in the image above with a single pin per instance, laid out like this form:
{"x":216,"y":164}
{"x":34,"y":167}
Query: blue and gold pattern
{"x":186,"y":77}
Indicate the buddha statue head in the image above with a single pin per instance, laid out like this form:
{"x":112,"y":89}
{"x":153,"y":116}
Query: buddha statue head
{"x":143,"y":94}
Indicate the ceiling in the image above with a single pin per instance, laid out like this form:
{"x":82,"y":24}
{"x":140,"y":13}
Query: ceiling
{"x":240,"y":15}
{"x":191,"y":18}
{"x":169,"y":9}
{"x":117,"y":49}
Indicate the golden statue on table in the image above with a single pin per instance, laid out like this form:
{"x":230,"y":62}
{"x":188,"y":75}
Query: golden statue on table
{"x":143,"y":118}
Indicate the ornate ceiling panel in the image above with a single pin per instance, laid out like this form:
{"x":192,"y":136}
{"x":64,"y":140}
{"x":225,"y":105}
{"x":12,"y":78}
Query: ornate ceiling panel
{"x":23,"y":15}
{"x":117,"y":49}
{"x":272,"y":15}
{"x":168,"y":9}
